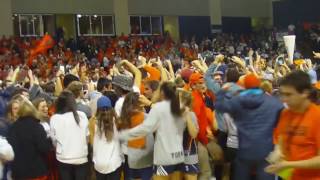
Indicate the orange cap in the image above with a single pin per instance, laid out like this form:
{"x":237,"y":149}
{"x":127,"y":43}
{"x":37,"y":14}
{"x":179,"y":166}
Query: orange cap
{"x":251,"y":81}
{"x":155,"y":74}
{"x":195,"y":78}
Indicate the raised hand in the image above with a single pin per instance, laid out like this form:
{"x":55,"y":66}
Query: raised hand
{"x":316,"y":55}
{"x":144,"y":101}
{"x":219,"y":58}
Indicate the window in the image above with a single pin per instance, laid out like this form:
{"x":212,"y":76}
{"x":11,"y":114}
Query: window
{"x":107,"y":25}
{"x":27,"y":25}
{"x":95,"y":25}
{"x":156,"y":25}
{"x":146,"y":25}
{"x":16,"y":27}
{"x":84,"y":25}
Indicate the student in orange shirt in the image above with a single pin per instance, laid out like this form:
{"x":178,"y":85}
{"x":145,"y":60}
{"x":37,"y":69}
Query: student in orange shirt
{"x":207,"y":145}
{"x":297,"y":137}
{"x":140,"y":150}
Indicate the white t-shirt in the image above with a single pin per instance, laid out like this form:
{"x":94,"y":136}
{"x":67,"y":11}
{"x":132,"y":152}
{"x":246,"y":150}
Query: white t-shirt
{"x":70,"y":138}
{"x":107,"y":156}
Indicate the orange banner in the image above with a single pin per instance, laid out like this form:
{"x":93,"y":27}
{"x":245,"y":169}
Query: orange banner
{"x":46,"y":43}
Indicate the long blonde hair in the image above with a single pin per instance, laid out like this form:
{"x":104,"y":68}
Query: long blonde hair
{"x":28,"y":109}
{"x":15,"y":99}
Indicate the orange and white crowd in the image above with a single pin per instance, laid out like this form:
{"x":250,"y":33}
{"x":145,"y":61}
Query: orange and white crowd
{"x":131,"y":107}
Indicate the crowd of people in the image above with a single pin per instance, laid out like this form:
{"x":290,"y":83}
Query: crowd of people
{"x":131,"y":107}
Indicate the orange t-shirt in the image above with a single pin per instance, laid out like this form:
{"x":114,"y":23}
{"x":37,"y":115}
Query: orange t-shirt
{"x":300,"y":139}
{"x":135,"y":121}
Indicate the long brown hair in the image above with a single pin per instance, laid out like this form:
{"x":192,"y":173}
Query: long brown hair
{"x":129,"y":108}
{"x":66,"y":102}
{"x":169,"y":90}
{"x":105,"y":122}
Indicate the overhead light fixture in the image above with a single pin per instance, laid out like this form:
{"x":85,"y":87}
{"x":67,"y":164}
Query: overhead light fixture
{"x":95,"y":16}
{"x":79,"y":15}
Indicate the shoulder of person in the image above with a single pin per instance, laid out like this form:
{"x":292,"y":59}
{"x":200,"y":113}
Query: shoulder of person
{"x":54,"y":117}
{"x":315,"y":110}
{"x":82,"y":114}
{"x":3,"y":140}
{"x":159,"y":104}
{"x":193,"y":116}
{"x":285,"y":112}
{"x":277,"y":101}
{"x":191,"y":113}
{"x":93,"y":118}
{"x":136,"y":89}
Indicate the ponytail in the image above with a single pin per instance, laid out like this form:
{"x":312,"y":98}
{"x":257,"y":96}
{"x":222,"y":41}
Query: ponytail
{"x":170,"y":92}
{"x":76,"y":116}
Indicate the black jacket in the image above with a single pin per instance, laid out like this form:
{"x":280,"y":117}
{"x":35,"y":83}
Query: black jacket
{"x":30,"y":145}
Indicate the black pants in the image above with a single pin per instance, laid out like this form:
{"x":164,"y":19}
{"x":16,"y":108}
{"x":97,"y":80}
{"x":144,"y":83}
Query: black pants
{"x":115,"y":175}
{"x":73,"y":172}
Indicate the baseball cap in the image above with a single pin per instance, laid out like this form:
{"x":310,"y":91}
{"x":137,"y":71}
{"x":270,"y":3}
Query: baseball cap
{"x":195,"y":78}
{"x":104,"y":102}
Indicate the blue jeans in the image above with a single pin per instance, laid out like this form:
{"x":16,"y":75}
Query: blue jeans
{"x":243,"y":169}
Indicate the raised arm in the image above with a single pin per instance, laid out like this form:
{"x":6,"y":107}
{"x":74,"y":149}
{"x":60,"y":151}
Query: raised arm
{"x":210,"y":82}
{"x":58,"y":85}
{"x":224,"y":103}
{"x":171,"y":71}
{"x":149,"y":125}
{"x":133,"y":69}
